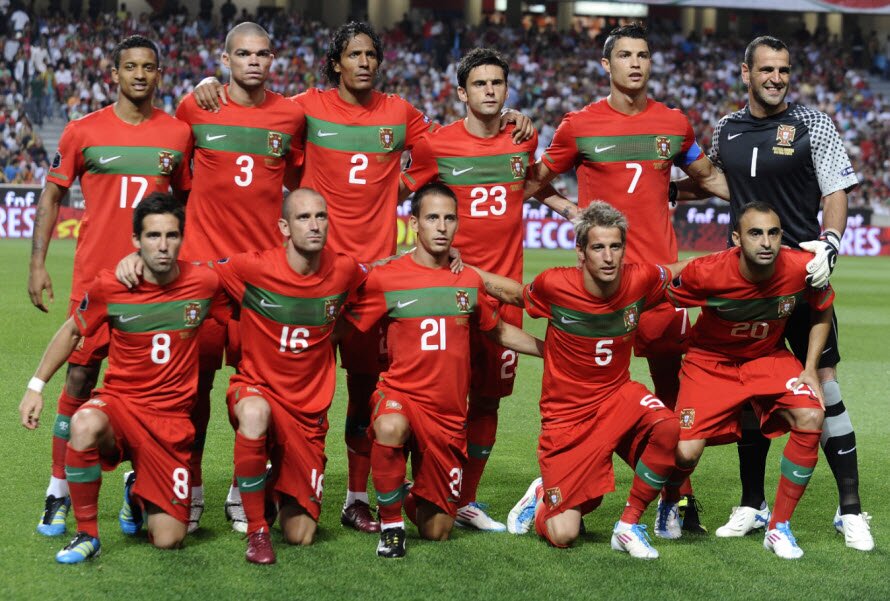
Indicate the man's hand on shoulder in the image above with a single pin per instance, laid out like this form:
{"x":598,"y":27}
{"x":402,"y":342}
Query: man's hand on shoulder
{"x":209,"y":93}
{"x":821,"y":266}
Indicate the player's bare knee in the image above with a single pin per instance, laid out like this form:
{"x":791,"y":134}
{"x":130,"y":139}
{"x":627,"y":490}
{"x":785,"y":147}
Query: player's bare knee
{"x":391,"y":429}
{"x":436,"y":529}
{"x":807,"y":419}
{"x":562,"y":533}
{"x":167,"y":538}
{"x":253,"y":415}
{"x":300,"y":531}
{"x":688,"y":454}
{"x":87,"y":427}
{"x":80,"y":380}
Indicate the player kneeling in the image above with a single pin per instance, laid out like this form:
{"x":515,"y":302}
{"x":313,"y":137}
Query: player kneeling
{"x":590,"y":408}
{"x":737,"y":356}
{"x":420,"y":405}
{"x":142,"y":411}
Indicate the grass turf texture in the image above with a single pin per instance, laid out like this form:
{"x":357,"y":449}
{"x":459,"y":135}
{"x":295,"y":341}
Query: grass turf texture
{"x":342,"y":564}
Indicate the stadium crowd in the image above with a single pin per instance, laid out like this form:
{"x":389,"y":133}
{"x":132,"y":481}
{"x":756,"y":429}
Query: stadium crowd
{"x":59,"y":67}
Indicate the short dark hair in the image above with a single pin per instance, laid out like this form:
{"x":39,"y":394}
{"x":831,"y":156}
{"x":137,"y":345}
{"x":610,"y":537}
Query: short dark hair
{"x":757,"y":206}
{"x":477,"y":57}
{"x":246,"y":28}
{"x":428,"y":190}
{"x":764,"y":40}
{"x":134,"y":41}
{"x":339,"y":42}
{"x":157,"y":203}
{"x":634,"y":30}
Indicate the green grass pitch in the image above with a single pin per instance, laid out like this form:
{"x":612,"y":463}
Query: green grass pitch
{"x":343,"y":564}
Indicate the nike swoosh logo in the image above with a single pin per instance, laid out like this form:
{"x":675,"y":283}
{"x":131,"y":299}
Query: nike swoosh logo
{"x":123,"y":319}
{"x":846,"y":451}
{"x":71,"y":474}
{"x":252,"y":484}
{"x":210,"y":138}
{"x":268,"y":305}
{"x":828,"y":349}
{"x":732,"y":136}
{"x":455,"y":172}
{"x":402,"y":305}
{"x":569,"y":321}
{"x":724,"y":309}
{"x":603,"y":149}
{"x":103,"y":160}
{"x":325,"y":134}
{"x":803,"y":475}
{"x":658,"y":481}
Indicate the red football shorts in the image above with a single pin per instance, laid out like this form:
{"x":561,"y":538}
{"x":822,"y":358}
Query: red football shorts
{"x":437,"y":453}
{"x":663,"y":330}
{"x":295,"y":443}
{"x":158,"y":446}
{"x":493,"y":367}
{"x":576,"y":460}
{"x":713,"y":393}
{"x":91,"y":349}
{"x":364,"y":352}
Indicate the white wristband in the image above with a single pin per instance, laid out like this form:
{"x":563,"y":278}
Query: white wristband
{"x":36,"y":384}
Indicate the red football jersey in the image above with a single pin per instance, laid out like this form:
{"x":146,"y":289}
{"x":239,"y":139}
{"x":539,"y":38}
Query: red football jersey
{"x":430,"y":313}
{"x":118,"y":164}
{"x":353,"y":158}
{"x":153,"y":355}
{"x":241,"y":155}
{"x":589,"y":340}
{"x":286,"y":324}
{"x":741,"y":320}
{"x":626,"y":161}
{"x":488,"y":176}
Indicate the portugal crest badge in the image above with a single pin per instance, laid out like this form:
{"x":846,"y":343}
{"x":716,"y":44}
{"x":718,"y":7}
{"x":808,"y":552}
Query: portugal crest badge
{"x":663,"y":147}
{"x":631,"y":318}
{"x":517,"y":167}
{"x":785,"y":135}
{"x":165,"y":162}
{"x":687,"y":418}
{"x":330,"y":310}
{"x":192,"y":314}
{"x":553,"y":497}
{"x":463,"y":301}
{"x":386,"y":138}
{"x":786,"y":306}
{"x":276,"y":144}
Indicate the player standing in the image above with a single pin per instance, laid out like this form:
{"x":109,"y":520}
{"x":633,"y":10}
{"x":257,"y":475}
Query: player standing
{"x":737,"y":356}
{"x":623,"y":148}
{"x":590,"y":408}
{"x":791,"y":157}
{"x":486,"y":170}
{"x":244,"y":154}
{"x":121,"y":154}
{"x":142,"y":411}
{"x":290,"y":298}
{"x":421,"y":399}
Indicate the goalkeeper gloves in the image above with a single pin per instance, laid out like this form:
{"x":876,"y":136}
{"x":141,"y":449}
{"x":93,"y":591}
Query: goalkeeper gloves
{"x":826,"y":249}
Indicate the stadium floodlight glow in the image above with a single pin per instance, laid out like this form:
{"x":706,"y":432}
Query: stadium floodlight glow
{"x":606,"y":9}
{"x":611,"y":9}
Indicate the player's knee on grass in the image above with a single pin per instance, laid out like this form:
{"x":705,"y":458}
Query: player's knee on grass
{"x":297,"y":525}
{"x":565,"y":528}
{"x":432,"y":522}
{"x":88,"y":428}
{"x":253,"y":415}
{"x":689,"y":452}
{"x":392,"y":429}
{"x":164,"y":531}
{"x":805,"y":418}
{"x":81,"y":379}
